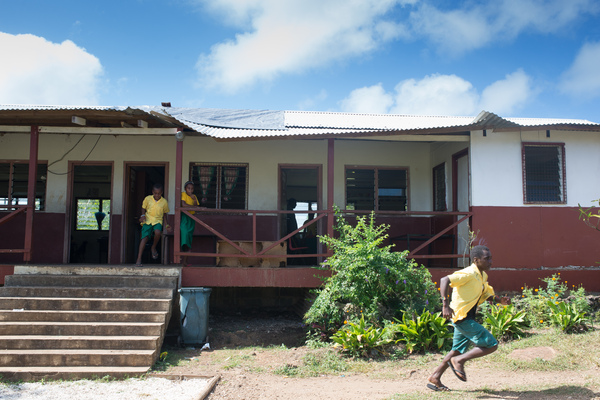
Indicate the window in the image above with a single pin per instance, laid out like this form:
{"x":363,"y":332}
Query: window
{"x":544,"y":173}
{"x":93,"y":214}
{"x":439,"y":188}
{"x":14,"y":176}
{"x":379,"y":189}
{"x":223,"y":186}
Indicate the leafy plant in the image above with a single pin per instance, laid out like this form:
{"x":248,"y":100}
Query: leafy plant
{"x":567,"y":317}
{"x":367,"y":280}
{"x":504,"y":321}
{"x":424,"y":332}
{"x":590,"y":216}
{"x":360,"y":339}
{"x":535,"y":300}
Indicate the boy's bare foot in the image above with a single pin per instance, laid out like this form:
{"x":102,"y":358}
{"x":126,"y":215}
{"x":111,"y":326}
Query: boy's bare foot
{"x":458,"y":370}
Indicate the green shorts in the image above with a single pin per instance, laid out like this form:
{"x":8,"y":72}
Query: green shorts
{"x":148,"y":230}
{"x":469,"y":331}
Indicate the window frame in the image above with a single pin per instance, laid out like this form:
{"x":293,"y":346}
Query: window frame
{"x":39,"y":178}
{"x":562,"y":171}
{"x":376,"y":169}
{"x":220,"y":166}
{"x":107,"y":213}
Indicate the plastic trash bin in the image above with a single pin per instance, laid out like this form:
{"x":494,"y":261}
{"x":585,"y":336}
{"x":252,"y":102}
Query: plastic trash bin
{"x":194,"y":314}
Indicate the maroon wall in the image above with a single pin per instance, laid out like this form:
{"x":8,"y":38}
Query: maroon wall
{"x":48,"y":238}
{"x":534,"y":237}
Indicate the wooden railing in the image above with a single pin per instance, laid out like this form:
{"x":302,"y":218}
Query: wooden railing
{"x":18,"y":210}
{"x":257,"y":251}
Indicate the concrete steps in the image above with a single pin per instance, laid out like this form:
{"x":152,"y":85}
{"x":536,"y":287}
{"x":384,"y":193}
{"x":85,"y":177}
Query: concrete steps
{"x":67,"y":322}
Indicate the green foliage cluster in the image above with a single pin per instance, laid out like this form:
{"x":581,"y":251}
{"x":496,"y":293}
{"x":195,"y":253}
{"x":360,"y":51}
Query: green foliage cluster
{"x":567,"y":317}
{"x":368,"y":280}
{"x":505,"y":322}
{"x":358,"y":339}
{"x":535,"y":301}
{"x":591,"y":215}
{"x":423,"y":333}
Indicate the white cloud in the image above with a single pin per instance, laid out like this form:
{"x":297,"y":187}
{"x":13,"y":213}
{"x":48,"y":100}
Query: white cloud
{"x":442,"y":95}
{"x":474,"y":25}
{"x":36,"y":71}
{"x":372,"y":99}
{"x":583,"y":78}
{"x":293,"y":36}
{"x":505,"y":96}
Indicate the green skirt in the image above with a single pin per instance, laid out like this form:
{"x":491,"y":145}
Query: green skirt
{"x":187,"y":231}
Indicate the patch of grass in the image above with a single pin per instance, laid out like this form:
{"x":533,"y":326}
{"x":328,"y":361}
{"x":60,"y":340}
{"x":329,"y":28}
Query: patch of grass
{"x":325,"y":362}
{"x":574,"y":352}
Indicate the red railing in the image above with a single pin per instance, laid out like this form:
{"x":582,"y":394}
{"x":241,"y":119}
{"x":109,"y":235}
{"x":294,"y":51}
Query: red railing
{"x":260,"y":252}
{"x":6,"y":218}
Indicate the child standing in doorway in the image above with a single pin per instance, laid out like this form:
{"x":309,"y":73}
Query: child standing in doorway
{"x":154,"y":212}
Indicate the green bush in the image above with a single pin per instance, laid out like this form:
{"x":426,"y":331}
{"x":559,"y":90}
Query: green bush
{"x":504,"y":321}
{"x":360,"y":339}
{"x":567,"y":317}
{"x":368,"y":280}
{"x":424,"y":332}
{"x":534,"y":301}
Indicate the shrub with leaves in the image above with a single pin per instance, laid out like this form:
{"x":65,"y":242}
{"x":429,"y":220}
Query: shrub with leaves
{"x":368,"y":280}
{"x":360,"y":339}
{"x":504,"y":321}
{"x":535,"y":300}
{"x":424,"y":332}
{"x":567,"y":317}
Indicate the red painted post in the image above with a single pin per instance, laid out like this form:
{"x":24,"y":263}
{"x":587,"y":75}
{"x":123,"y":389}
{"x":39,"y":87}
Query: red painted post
{"x":178,"y":183}
{"x":31,"y":181}
{"x":330,"y":186}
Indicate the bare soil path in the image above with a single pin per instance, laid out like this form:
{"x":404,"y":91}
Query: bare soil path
{"x":271,"y":372}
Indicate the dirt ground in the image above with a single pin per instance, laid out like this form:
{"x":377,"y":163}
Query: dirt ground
{"x":254,"y":377}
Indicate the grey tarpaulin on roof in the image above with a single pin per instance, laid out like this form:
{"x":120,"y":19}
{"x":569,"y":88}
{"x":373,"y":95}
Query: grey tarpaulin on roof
{"x":237,"y":119}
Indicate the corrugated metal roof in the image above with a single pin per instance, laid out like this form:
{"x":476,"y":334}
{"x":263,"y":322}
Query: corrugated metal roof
{"x":370,"y":121}
{"x":227,"y":124}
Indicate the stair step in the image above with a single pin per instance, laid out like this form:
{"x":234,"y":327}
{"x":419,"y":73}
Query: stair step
{"x":96,"y":281}
{"x":99,"y":269}
{"x":79,"y":342}
{"x":110,"y":292}
{"x":38,"y":373}
{"x":77,"y":303}
{"x":83,"y":316}
{"x":80,"y":328}
{"x":75,"y":357}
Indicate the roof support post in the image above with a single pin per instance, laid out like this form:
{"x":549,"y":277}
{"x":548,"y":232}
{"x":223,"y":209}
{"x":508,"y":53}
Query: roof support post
{"x":178,"y":180}
{"x":330,"y":185}
{"x":31,"y":181}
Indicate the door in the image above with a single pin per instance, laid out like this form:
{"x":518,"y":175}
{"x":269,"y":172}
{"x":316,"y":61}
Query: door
{"x":90,"y":213}
{"x":461,"y":197}
{"x":139,"y":181}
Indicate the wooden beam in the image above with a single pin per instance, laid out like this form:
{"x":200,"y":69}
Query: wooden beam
{"x":91,"y":130}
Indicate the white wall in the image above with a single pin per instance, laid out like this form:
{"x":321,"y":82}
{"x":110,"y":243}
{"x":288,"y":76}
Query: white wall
{"x":496,"y":166}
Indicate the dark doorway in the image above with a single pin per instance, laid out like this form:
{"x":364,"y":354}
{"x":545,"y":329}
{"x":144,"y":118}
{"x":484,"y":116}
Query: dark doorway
{"x":300,"y":190}
{"x":90,"y":214}
{"x":140,"y":179}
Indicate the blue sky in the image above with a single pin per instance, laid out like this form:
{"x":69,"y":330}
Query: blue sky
{"x":516,"y":58}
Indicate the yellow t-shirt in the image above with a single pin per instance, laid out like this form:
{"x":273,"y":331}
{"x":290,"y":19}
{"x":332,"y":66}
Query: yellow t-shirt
{"x":155,"y":210}
{"x":470,"y":290}
{"x":189,"y":201}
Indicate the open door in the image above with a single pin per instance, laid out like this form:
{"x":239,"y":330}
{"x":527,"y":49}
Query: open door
{"x":461,"y":201}
{"x":300,"y":190}
{"x":139,"y":181}
{"x":90,"y":221}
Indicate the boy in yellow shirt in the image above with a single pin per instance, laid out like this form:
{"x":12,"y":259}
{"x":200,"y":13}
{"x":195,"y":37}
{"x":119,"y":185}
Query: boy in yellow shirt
{"x":154,"y":213}
{"x":470,"y":289}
